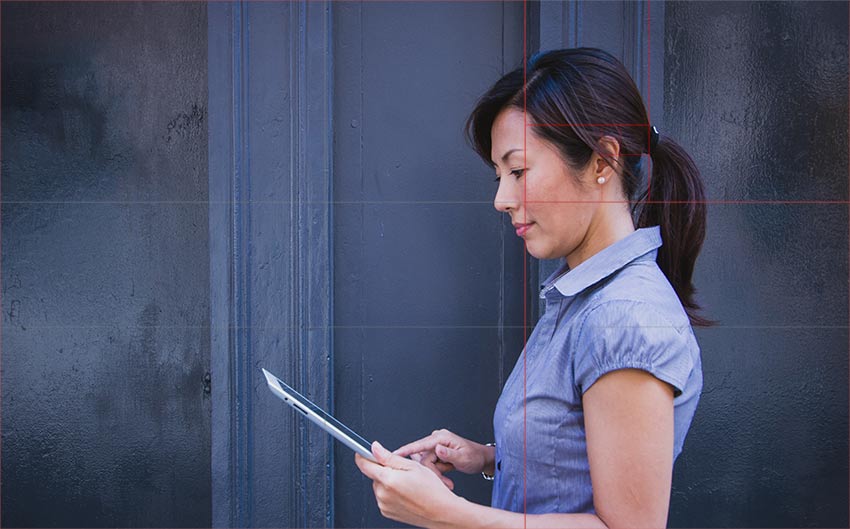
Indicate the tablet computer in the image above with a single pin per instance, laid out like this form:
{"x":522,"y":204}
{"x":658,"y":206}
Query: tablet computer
{"x":341,"y":432}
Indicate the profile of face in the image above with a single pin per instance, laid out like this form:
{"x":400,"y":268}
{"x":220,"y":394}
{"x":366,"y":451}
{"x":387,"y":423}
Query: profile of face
{"x":557,"y":204}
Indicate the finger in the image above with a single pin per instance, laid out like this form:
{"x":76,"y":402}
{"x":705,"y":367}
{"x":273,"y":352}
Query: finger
{"x":434,"y":461}
{"x":422,"y":445}
{"x":426,"y":443}
{"x":429,"y":456}
{"x":388,"y":459}
{"x":446,"y":454}
{"x":369,"y":469}
{"x":428,"y":461}
{"x":444,"y":467}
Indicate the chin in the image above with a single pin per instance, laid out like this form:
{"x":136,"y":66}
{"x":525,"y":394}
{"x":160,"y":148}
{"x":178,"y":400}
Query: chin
{"x":538,"y":252}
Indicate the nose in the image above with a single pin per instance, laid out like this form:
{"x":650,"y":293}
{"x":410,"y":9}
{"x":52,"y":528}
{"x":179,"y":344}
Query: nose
{"x":508,"y":197}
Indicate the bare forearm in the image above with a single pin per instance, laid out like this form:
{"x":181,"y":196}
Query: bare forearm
{"x":468,"y":515}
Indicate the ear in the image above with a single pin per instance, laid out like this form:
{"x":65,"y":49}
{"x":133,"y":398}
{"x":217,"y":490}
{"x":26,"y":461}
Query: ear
{"x":606,"y":166}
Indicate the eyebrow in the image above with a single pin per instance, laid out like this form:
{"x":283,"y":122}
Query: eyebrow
{"x":505,"y":156}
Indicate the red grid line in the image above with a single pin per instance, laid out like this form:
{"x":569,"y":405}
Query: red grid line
{"x":710,"y":202}
{"x":1,"y":275}
{"x":649,"y":96}
{"x":524,"y":272}
{"x":648,"y":131}
{"x":647,"y":125}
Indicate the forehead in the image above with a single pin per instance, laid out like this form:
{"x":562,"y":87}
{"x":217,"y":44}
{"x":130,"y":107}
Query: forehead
{"x":508,"y":133}
{"x":508,"y":126}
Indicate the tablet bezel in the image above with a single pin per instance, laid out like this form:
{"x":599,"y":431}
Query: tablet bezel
{"x":324,"y":420}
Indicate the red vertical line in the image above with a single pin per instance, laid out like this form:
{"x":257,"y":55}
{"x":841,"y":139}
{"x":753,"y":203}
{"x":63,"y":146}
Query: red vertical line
{"x":648,"y":61}
{"x":524,"y":267}
{"x":649,"y":100}
{"x":1,"y":271}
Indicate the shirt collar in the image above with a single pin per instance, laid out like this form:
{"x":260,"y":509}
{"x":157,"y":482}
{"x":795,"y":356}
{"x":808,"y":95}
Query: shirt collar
{"x":605,"y":262}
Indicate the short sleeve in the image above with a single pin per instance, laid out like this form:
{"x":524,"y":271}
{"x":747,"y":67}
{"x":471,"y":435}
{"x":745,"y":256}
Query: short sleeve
{"x":622,"y":334}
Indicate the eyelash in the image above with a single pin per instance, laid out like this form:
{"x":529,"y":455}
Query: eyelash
{"x":521,"y":171}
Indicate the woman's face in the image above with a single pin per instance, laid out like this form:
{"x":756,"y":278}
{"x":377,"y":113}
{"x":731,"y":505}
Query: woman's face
{"x":538,"y":189}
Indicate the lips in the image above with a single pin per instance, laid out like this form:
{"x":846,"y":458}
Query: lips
{"x":522,"y":229}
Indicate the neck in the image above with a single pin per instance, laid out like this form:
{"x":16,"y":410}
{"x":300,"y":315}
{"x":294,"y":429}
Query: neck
{"x":612,"y":223}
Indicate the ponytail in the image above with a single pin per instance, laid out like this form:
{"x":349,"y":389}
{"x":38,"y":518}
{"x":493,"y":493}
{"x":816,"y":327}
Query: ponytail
{"x":676,"y":202}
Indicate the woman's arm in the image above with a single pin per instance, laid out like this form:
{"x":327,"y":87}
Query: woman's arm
{"x":628,"y":417}
{"x":470,"y":515}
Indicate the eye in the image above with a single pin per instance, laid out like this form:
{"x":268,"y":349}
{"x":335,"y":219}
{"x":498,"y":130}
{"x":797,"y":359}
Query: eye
{"x":516,"y":172}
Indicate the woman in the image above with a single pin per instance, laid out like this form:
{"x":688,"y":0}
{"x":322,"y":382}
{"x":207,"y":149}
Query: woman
{"x":606,"y":387}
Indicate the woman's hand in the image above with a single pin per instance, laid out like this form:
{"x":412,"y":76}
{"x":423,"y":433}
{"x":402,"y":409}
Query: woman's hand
{"x":405,"y":490}
{"x":444,"y":451}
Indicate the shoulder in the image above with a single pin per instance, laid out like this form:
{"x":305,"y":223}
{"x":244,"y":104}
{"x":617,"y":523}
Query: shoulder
{"x":640,"y":293}
{"x":633,"y":321}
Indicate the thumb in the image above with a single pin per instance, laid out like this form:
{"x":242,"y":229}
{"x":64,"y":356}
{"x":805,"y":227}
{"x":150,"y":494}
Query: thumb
{"x":388,"y":459}
{"x":445,"y":453}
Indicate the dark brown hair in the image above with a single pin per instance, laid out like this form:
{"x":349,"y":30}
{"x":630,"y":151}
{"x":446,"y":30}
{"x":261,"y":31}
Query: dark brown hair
{"x":591,"y":90}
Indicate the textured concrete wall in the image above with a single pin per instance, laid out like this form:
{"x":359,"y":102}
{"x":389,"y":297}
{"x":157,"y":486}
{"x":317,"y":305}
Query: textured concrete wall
{"x":105,"y":282}
{"x":757,"y":92}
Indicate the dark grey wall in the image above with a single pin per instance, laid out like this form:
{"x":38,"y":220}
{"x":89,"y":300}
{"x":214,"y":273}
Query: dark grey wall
{"x":270,"y":158}
{"x":427,"y":275}
{"x":105,"y":282}
{"x":353,"y":249}
{"x":757,"y":93}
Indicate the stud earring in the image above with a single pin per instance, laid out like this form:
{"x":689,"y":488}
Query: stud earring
{"x":600,"y":180}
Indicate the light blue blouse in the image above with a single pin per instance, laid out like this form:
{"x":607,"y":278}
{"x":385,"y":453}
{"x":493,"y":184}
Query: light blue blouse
{"x":615,"y":310}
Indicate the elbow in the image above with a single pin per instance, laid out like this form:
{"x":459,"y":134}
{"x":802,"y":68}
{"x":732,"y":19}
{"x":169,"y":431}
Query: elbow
{"x":634,"y":520}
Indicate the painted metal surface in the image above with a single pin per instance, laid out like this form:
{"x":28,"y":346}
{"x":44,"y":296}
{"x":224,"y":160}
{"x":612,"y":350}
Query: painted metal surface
{"x":757,"y":93}
{"x":271,"y":293}
{"x":427,"y":274}
{"x":106,"y":422}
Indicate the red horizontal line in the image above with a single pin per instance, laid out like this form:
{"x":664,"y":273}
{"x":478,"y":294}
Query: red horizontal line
{"x":718,"y":202}
{"x":252,"y":1}
{"x":587,"y":125}
{"x":390,"y":202}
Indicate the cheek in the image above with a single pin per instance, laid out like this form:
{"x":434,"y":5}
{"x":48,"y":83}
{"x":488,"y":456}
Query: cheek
{"x":562,"y":225}
{"x":559,"y":214}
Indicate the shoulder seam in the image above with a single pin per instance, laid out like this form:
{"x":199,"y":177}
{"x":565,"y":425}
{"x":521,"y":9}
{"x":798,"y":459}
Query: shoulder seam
{"x":593,"y":309}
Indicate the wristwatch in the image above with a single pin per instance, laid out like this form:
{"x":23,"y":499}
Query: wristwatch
{"x":488,"y":477}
